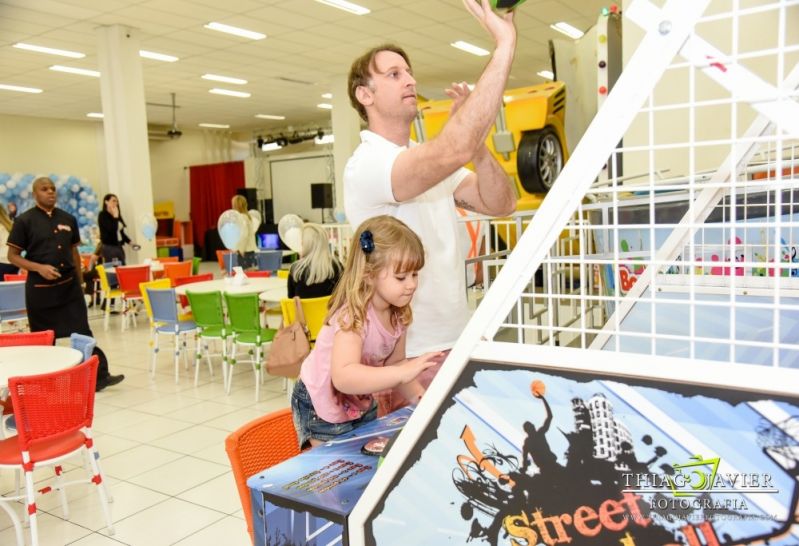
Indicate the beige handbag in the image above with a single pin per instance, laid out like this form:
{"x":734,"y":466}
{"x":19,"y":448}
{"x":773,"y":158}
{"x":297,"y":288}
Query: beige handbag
{"x":289,"y":347}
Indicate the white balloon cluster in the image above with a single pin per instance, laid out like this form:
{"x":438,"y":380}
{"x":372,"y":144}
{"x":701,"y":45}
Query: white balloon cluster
{"x":290,"y":230}
{"x":74,"y":195}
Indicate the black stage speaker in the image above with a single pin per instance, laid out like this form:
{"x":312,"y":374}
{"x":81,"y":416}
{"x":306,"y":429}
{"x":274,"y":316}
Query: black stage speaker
{"x":321,"y":196}
{"x":268,"y":211}
{"x":251,"y":194}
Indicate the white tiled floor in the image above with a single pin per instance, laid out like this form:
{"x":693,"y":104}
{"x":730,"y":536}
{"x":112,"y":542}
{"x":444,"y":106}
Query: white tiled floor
{"x":162,"y":452}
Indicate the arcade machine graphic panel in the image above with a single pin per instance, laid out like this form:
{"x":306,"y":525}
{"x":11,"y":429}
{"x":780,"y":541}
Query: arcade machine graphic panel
{"x":543,"y":455}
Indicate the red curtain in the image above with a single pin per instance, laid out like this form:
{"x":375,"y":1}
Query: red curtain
{"x":211,"y":188}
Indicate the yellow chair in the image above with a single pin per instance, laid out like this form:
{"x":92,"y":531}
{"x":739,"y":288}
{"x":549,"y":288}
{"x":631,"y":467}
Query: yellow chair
{"x":108,"y":293}
{"x":315,"y":310}
{"x":283,"y":273}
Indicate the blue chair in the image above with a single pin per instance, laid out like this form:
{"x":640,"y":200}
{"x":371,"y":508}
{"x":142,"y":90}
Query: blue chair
{"x":12,"y":302}
{"x":269,"y":260}
{"x":163,"y":303}
{"x":84,"y":344}
{"x":231,"y":260}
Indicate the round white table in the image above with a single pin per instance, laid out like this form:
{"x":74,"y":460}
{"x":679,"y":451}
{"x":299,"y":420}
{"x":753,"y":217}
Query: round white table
{"x":274,"y":295}
{"x":35,"y":359}
{"x":252,"y":285}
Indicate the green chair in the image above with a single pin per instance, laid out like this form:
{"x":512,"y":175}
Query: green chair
{"x":245,"y":321}
{"x":209,"y":315}
{"x":195,"y":265}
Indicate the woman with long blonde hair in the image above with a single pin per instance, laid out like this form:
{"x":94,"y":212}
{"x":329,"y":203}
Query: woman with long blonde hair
{"x":361,"y":348}
{"x":317,"y":271}
{"x":246,"y":246}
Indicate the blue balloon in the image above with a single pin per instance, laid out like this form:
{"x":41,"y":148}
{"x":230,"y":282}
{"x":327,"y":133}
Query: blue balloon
{"x":148,"y":232}
{"x":230,"y":234}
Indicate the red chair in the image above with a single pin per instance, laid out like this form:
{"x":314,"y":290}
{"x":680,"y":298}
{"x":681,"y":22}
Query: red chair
{"x":180,"y":281}
{"x":9,"y":277}
{"x":129,"y":278}
{"x":57,"y":410}
{"x":261,"y":274}
{"x":16,"y":339}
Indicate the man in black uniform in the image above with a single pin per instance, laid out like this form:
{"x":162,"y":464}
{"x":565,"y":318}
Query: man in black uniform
{"x":53,"y":293}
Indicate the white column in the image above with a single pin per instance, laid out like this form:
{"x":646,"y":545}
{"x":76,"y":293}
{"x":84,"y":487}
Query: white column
{"x":346,"y":129}
{"x":125,"y":128}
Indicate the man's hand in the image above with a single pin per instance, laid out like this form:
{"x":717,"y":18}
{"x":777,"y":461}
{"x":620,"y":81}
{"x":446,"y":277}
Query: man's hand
{"x":458,"y":92}
{"x":48,"y":272}
{"x":500,"y":27}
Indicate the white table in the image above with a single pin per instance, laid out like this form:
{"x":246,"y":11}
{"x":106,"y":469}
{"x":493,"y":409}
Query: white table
{"x":274,"y":295}
{"x":35,"y":359}
{"x":253,"y":285}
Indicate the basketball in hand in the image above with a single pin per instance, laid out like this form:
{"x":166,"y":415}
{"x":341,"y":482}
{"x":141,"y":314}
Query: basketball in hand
{"x":538,"y":388}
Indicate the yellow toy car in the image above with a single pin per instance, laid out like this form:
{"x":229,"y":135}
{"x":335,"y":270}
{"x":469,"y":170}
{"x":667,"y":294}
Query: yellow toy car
{"x":528,"y":140}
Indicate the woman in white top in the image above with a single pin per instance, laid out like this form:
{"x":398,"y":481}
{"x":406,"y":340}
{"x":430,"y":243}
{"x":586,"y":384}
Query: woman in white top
{"x":246,"y":247}
{"x":5,"y":229}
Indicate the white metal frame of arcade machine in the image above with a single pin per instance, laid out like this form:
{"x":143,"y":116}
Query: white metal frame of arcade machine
{"x":689,"y":374}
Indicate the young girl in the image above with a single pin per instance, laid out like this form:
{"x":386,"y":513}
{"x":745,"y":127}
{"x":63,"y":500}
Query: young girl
{"x":361,"y":348}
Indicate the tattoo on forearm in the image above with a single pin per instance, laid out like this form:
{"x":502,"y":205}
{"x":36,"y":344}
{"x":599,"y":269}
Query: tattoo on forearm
{"x":460,"y":203}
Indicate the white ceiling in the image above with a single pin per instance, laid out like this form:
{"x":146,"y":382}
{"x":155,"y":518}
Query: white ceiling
{"x":307,"y":41}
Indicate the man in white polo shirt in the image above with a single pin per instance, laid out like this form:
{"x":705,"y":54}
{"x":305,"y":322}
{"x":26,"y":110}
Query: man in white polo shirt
{"x":422,"y":184}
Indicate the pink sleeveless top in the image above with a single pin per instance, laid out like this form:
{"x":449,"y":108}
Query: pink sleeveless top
{"x":378,"y":344}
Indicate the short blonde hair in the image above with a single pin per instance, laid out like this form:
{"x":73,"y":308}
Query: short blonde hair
{"x":394,"y":245}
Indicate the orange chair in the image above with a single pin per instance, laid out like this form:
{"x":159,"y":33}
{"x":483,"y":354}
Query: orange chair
{"x":130,"y":277}
{"x":57,"y":410}
{"x":174,"y":270}
{"x":9,"y":277}
{"x":220,"y":257}
{"x":257,"y":445}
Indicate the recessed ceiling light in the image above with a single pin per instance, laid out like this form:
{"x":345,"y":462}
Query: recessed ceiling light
{"x":157,"y":56}
{"x":214,"y":125}
{"x":269,"y":116}
{"x":324,"y":106}
{"x":224,"y":79}
{"x":327,"y":95}
{"x":228,"y":92}
{"x":20,"y":88}
{"x":236,"y":31}
{"x":547,"y":74}
{"x":50,"y":50}
{"x":470,"y":48}
{"x":96,"y":115}
{"x":346,"y":6}
{"x":567,"y":29}
{"x":73,"y":70}
{"x":271,"y":147}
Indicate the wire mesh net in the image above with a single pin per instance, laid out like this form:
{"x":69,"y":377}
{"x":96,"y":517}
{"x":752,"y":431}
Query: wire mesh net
{"x":687,"y":242}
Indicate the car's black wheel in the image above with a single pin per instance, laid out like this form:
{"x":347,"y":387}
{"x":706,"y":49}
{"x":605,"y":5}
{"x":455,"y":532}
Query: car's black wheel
{"x":540,"y":160}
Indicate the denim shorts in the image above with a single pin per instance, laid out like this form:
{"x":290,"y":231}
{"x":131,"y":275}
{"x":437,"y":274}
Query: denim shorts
{"x":309,"y":425}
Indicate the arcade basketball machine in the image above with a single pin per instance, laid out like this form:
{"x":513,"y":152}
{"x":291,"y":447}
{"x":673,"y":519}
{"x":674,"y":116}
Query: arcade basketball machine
{"x":656,"y":402}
